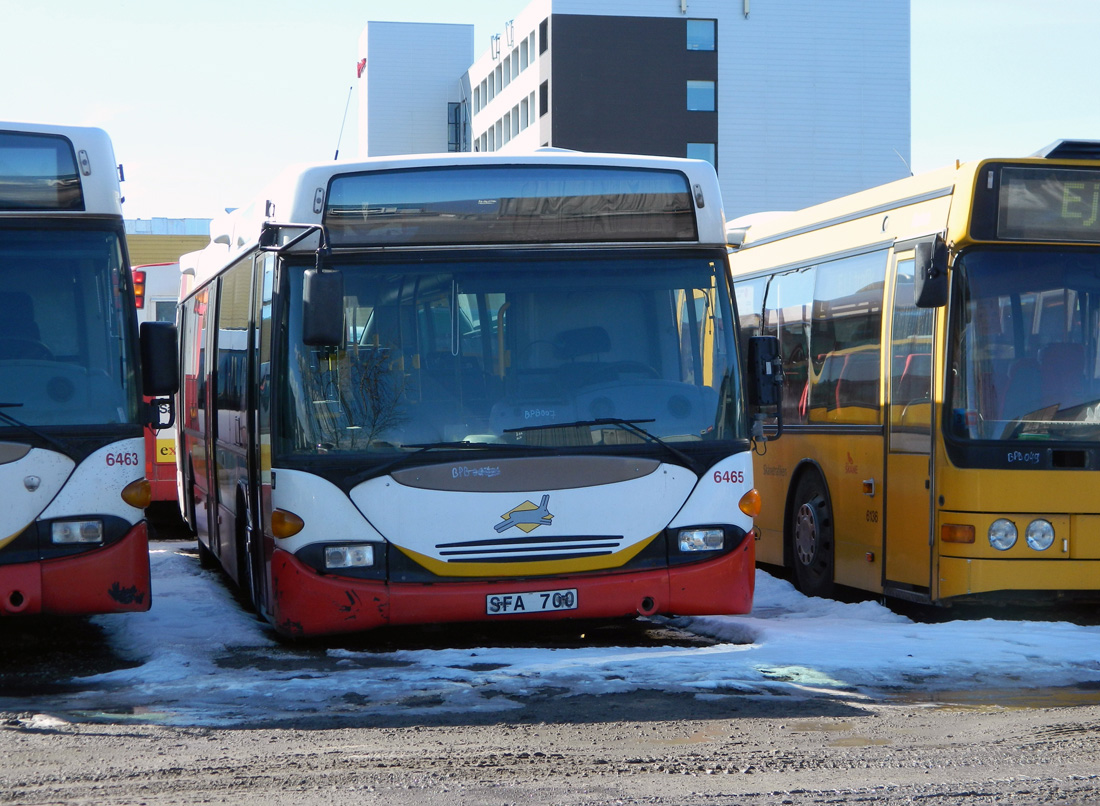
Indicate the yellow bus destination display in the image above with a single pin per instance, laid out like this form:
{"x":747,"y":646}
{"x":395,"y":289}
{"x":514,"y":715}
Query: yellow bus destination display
{"x":1048,"y":204}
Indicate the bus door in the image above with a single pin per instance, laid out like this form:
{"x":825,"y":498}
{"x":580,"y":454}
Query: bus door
{"x":907,"y":548}
{"x":193,"y":465}
{"x":231,"y":422}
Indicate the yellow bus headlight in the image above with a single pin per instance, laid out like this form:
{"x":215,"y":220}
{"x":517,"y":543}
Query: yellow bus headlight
{"x":1002,"y":534}
{"x":1040,"y":534}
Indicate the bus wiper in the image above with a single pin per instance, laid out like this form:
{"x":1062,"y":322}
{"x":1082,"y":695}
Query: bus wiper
{"x":629,"y":425}
{"x":425,"y":447}
{"x":30,"y":429}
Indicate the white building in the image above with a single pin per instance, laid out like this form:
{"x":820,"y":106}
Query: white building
{"x":794,"y":101}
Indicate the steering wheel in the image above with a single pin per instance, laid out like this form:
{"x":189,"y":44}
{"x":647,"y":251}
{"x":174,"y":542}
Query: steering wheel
{"x":16,"y":347}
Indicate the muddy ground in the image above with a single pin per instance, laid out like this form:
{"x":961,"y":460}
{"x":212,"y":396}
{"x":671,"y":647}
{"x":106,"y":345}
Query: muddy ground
{"x":645,"y":748}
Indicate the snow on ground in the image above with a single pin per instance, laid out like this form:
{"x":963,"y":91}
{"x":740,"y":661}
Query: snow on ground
{"x":203,"y":660}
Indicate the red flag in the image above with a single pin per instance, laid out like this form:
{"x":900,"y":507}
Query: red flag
{"x":359,"y":69}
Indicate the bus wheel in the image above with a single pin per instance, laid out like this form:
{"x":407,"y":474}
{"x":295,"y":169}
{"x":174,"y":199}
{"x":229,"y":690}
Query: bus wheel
{"x":811,"y":536}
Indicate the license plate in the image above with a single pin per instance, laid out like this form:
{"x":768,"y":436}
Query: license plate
{"x":530,"y":602}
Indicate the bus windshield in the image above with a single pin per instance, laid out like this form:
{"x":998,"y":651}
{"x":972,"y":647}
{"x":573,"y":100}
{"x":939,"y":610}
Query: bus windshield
{"x":527,"y":350}
{"x":1024,"y":362}
{"x":65,"y":348}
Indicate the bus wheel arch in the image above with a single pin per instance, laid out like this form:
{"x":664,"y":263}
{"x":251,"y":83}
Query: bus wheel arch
{"x":810,"y":542}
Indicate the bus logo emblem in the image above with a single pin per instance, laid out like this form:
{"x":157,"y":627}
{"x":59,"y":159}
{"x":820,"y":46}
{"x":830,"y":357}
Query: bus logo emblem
{"x":526,"y":516}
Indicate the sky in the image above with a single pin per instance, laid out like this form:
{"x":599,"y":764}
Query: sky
{"x":207,"y":100}
{"x":789,"y":646}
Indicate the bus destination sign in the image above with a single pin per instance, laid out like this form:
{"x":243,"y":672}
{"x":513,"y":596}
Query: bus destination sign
{"x":1037,"y":203}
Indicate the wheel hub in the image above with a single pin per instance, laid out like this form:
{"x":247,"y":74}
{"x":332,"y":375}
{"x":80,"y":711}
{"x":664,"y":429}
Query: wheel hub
{"x":805,"y":534}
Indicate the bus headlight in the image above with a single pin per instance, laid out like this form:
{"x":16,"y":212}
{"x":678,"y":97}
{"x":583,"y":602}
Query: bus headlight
{"x":1040,"y":534}
{"x":70,"y":532}
{"x":1002,"y":534}
{"x":702,"y":539}
{"x":359,"y":556}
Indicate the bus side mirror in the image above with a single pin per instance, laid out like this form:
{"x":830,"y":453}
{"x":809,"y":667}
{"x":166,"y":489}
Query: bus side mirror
{"x":160,"y":363}
{"x":323,"y":308}
{"x":930,"y":274}
{"x":765,"y":387}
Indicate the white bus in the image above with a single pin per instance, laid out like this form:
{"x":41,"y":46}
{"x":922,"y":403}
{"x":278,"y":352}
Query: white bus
{"x":72,"y":456}
{"x":156,"y":295}
{"x":471,"y":387}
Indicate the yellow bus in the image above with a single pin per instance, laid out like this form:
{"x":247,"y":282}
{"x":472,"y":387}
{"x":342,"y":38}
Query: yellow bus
{"x":941,"y":406}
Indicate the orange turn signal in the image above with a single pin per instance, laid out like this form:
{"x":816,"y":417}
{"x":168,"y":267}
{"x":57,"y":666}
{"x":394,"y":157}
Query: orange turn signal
{"x":138,"y":494}
{"x":750,"y":503}
{"x":956,"y":533}
{"x":286,"y":524}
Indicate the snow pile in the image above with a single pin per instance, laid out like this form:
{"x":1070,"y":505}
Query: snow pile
{"x":203,"y":660}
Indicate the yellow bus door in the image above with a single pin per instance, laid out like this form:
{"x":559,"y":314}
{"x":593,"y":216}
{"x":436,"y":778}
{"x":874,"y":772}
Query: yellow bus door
{"x":907,"y":549}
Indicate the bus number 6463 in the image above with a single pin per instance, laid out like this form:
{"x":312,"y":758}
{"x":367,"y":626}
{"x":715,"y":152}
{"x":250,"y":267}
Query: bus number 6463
{"x":127,"y":459}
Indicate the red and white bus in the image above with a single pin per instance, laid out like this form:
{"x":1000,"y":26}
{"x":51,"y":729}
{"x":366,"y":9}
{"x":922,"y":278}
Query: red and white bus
{"x":73,"y":370}
{"x":468,"y":388}
{"x":156,"y":294}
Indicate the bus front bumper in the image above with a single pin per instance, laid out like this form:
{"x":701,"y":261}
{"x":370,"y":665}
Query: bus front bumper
{"x":307,"y":603}
{"x":113,"y":579}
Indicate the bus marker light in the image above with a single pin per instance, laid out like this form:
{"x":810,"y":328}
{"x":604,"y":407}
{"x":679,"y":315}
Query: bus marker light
{"x":957,"y":533}
{"x":360,"y":556}
{"x":1002,"y":534}
{"x":138,"y":494}
{"x":139,"y":288}
{"x":701,"y":539}
{"x":286,"y":524}
{"x":750,"y":503}
{"x":1040,"y":534}
{"x":66,"y":532}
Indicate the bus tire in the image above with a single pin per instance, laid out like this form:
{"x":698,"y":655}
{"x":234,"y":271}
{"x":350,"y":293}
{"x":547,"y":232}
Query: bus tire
{"x":207,"y":559}
{"x":811,"y":536}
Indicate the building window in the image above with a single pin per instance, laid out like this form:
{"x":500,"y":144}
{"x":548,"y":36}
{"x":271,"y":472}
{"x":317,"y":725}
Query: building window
{"x":507,"y":71}
{"x":477,"y":100}
{"x":524,"y":114}
{"x":499,"y":78}
{"x":456,"y":128}
{"x":523,"y":54}
{"x":703,"y":151}
{"x":700,"y":96}
{"x":515,"y":120}
{"x":515,"y":63}
{"x":544,"y":36}
{"x":701,"y":34}
{"x":544,"y":98}
{"x":531,"y":46}
{"x":532,"y":107}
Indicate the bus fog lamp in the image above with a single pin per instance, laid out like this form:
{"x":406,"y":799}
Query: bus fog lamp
{"x":702,"y":539}
{"x":1040,"y":534}
{"x":1002,"y":534}
{"x":349,"y":556}
{"x":70,"y":532}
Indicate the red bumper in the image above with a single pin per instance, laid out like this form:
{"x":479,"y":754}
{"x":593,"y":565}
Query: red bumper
{"x":306,"y":603}
{"x":114,"y":579}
